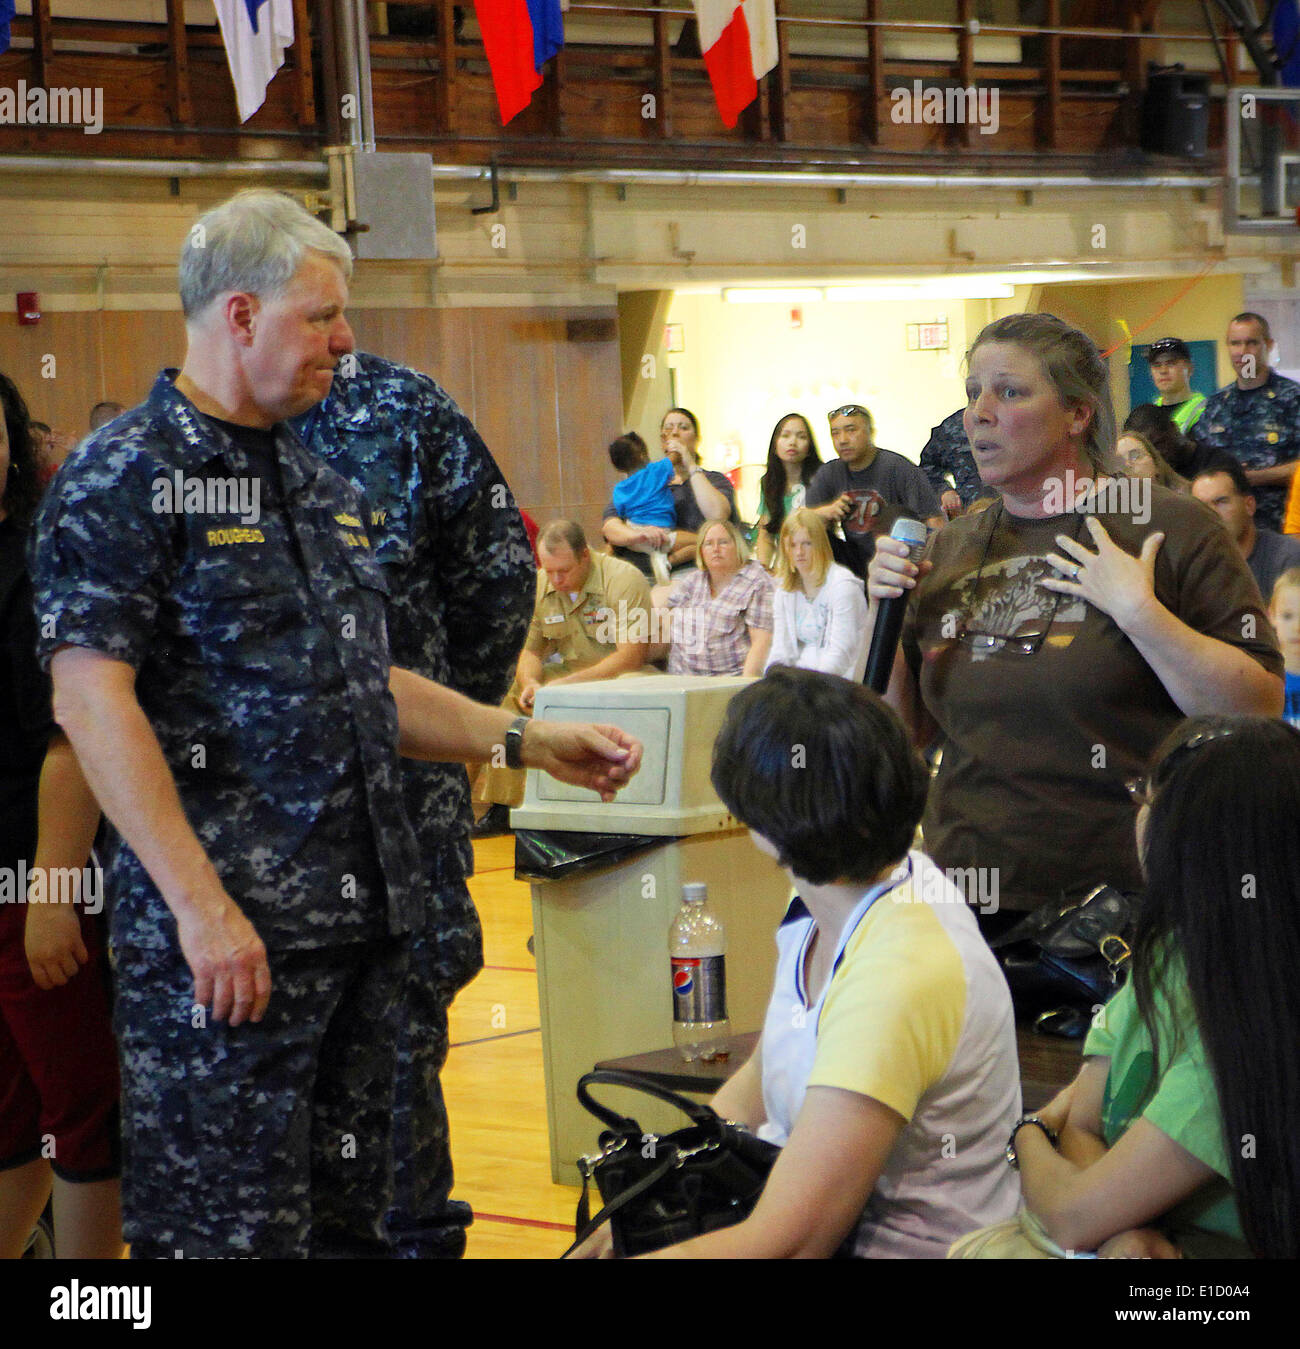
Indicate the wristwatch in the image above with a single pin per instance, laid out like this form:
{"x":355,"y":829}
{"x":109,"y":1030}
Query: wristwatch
{"x":1013,"y":1160}
{"x":515,"y":743}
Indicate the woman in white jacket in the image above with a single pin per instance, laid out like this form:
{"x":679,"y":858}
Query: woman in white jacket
{"x":820,"y":608}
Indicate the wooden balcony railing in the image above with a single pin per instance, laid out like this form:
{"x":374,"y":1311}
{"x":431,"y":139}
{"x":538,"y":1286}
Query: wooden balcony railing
{"x":629,"y":88}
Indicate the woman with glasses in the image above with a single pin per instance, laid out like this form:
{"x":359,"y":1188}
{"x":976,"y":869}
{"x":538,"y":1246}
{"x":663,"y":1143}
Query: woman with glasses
{"x":722,"y":612}
{"x":1054,"y":640}
{"x":819,"y":614}
{"x":1139,"y":458}
{"x":1178,"y":1136}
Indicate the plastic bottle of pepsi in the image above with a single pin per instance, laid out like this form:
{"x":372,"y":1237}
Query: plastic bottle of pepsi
{"x":697,"y":946}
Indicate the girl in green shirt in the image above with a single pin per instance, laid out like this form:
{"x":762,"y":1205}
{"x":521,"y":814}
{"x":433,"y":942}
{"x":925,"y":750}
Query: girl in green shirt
{"x":792,"y":459}
{"x":1178,"y":1136}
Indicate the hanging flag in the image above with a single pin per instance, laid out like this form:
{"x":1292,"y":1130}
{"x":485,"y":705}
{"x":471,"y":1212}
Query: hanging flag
{"x":738,"y":39}
{"x":256,"y":33}
{"x":6,"y":16}
{"x":519,"y":36}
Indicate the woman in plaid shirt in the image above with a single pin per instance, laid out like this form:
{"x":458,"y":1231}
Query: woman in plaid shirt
{"x":722,"y":613}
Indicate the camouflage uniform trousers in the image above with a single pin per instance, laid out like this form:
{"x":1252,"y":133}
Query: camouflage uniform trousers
{"x":269,"y":1140}
{"x":425,"y":1222}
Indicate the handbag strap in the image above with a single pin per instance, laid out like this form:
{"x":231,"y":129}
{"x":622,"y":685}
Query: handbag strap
{"x":649,"y":1180}
{"x":699,"y":1114}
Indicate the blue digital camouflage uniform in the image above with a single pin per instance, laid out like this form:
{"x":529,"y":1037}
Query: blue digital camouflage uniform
{"x":1259,"y":428}
{"x":947,"y":452}
{"x":461,"y":577}
{"x":262,"y":664}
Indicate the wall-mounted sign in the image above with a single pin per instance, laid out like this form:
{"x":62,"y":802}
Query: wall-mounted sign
{"x":674,"y":338}
{"x":927,"y":337}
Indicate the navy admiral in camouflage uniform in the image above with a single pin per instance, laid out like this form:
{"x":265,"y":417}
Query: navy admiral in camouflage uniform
{"x":947,"y":453}
{"x":214,"y":618}
{"x":1256,"y":419}
{"x":461,"y":576}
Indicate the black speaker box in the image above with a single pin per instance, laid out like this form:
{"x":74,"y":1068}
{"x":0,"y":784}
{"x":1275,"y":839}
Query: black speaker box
{"x":1175,"y":112}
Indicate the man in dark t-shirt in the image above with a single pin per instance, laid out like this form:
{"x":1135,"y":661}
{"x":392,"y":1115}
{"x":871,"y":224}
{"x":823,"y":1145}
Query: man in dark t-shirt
{"x":1224,"y":489}
{"x":872,"y":486}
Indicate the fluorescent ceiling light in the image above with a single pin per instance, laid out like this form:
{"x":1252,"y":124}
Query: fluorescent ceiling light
{"x":771,"y":295}
{"x":951,"y":288}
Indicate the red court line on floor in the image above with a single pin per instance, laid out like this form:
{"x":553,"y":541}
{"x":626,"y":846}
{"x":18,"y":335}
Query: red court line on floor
{"x":521,"y":1222}
{"x":514,"y":969}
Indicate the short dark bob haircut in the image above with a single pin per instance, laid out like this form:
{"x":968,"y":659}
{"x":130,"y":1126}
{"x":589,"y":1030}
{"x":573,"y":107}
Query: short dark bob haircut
{"x":822,"y":768}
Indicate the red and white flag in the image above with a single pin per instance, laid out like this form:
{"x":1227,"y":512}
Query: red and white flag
{"x":738,"y":39}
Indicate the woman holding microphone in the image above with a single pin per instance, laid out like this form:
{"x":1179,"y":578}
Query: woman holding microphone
{"x":1055,"y":639}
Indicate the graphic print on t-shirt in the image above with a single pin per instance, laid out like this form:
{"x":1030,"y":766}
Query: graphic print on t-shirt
{"x":865,"y":514}
{"x":1013,"y":604}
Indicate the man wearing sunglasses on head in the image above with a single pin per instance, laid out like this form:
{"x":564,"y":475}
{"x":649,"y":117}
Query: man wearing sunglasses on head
{"x":866,"y":489}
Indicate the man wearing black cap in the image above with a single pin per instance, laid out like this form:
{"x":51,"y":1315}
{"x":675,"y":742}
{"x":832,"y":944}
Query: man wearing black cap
{"x":1171,"y":370}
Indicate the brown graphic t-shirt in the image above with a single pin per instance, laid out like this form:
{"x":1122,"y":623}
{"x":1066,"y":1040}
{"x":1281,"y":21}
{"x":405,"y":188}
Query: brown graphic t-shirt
{"x":1047,"y":709}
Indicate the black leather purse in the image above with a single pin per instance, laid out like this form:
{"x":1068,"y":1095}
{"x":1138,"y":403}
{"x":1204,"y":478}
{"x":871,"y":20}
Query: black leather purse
{"x":1065,"y":960}
{"x":659,"y":1190}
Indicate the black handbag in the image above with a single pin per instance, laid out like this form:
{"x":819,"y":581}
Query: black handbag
{"x":659,"y":1190}
{"x":1065,"y":960}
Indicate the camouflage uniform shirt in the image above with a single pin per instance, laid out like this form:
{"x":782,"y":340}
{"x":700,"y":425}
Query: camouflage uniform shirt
{"x":948,"y":452}
{"x":261,"y":661}
{"x":446,"y":531}
{"x":1259,"y":428}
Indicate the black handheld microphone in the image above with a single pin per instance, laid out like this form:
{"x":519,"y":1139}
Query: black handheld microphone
{"x":889,"y":613}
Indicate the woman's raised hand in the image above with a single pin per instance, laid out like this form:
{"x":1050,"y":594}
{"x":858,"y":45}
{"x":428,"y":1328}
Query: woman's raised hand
{"x":1110,"y":579}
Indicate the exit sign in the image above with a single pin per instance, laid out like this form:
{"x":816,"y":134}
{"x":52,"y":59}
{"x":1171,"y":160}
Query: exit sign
{"x":927,"y":337}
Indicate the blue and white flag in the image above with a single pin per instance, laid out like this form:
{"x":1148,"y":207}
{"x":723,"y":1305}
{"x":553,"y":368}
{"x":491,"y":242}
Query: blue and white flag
{"x":6,"y":15}
{"x":256,"y":33}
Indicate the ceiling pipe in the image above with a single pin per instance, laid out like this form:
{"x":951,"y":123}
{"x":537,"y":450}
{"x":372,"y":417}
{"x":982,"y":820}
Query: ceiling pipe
{"x":165,"y":168}
{"x":740,"y":178}
{"x":317,"y":170}
{"x":361,"y":38}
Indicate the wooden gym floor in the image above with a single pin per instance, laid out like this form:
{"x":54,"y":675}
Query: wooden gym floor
{"x":494,"y":1087}
{"x":493,"y":1081}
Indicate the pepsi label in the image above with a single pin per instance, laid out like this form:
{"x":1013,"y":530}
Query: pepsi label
{"x":699,"y":988}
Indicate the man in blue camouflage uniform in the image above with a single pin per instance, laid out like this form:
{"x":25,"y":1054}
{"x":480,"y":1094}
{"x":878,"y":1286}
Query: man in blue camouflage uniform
{"x":947,"y":454}
{"x":214,"y":618}
{"x":1255,"y":419}
{"x":461,"y":577}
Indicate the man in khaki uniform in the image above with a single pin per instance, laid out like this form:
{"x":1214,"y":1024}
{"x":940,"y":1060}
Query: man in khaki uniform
{"x":591,"y":620}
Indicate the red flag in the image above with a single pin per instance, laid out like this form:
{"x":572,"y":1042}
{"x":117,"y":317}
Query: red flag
{"x":517,"y":42}
{"x":738,"y":39}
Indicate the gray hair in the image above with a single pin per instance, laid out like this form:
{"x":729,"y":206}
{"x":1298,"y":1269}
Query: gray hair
{"x":252,"y":242}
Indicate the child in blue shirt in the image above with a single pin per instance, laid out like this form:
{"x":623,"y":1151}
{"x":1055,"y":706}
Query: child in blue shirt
{"x":645,"y":499}
{"x":1284,"y":612}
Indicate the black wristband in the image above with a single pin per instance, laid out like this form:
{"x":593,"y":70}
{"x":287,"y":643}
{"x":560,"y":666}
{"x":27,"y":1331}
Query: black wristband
{"x":515,"y":742}
{"x":1051,"y":1135}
